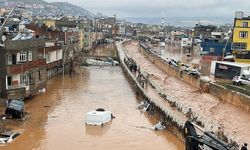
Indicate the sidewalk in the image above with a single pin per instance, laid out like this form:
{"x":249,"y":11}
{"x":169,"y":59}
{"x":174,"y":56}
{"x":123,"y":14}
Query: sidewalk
{"x":206,"y":107}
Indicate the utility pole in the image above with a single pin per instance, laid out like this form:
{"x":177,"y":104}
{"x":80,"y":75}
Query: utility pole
{"x":224,"y":49}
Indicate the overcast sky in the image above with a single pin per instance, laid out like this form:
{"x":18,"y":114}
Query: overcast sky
{"x":172,"y":8}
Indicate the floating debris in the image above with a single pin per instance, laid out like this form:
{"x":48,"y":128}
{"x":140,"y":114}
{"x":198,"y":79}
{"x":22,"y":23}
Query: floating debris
{"x":159,"y":126}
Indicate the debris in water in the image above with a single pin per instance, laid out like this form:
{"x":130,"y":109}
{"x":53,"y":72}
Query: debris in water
{"x":144,"y":106}
{"x":15,"y":109}
{"x":159,"y":126}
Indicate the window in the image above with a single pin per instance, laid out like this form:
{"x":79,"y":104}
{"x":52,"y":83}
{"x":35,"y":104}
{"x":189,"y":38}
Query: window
{"x":239,"y":46}
{"x":245,"y":24}
{"x":48,"y":57}
{"x":23,"y":79}
{"x":40,"y":75}
{"x":242,"y":55}
{"x":23,"y":57}
{"x":30,"y":55}
{"x":212,"y":50}
{"x":9,"y":59}
{"x":243,"y":34}
{"x":86,"y":29}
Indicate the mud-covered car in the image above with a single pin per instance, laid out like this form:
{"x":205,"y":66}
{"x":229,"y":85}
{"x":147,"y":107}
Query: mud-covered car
{"x":8,"y":137}
{"x":15,"y":108}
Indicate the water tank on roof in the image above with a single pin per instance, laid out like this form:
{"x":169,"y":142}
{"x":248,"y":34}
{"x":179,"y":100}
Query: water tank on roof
{"x":239,"y":15}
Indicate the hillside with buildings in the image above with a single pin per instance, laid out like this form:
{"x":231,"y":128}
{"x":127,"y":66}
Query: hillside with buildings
{"x":43,"y":8}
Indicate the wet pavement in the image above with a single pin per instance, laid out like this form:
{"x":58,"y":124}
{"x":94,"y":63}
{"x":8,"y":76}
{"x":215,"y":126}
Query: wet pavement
{"x":215,"y":112}
{"x":57,"y":117}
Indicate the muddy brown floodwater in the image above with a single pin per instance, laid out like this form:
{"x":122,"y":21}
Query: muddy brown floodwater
{"x":57,"y":117}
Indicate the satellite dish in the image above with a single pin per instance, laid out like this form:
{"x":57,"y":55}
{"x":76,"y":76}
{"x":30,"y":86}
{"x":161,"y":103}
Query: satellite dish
{"x":3,"y":38}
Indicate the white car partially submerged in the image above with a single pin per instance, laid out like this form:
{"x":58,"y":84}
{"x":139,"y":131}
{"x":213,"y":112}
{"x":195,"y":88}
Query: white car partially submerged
{"x":8,"y":137}
{"x":98,"y":117}
{"x":244,"y":79}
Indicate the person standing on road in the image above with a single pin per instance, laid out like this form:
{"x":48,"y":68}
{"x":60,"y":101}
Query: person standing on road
{"x":220,"y":133}
{"x":190,"y":114}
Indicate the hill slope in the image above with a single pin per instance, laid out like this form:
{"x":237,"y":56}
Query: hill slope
{"x":70,"y":9}
{"x":53,"y":8}
{"x":42,"y":2}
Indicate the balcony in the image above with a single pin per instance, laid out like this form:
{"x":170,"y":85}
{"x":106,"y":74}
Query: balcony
{"x":20,"y":68}
{"x":53,"y":48}
{"x":239,"y":46}
{"x":16,"y":92}
{"x":55,"y":64}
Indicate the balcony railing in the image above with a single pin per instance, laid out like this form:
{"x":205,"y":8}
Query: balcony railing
{"x":239,"y":46}
{"x":11,"y":87}
{"x":53,"y":48}
{"x":19,"y":68}
{"x":16,"y":93}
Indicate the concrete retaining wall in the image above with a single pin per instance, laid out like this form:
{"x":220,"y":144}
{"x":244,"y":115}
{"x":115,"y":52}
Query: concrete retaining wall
{"x":230,"y":96}
{"x":224,"y":94}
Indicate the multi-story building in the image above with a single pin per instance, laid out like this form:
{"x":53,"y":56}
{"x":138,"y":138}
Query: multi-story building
{"x":203,"y":32}
{"x":241,"y":38}
{"x":85,"y":35}
{"x":50,"y":23}
{"x":54,"y":55}
{"x":23,"y":68}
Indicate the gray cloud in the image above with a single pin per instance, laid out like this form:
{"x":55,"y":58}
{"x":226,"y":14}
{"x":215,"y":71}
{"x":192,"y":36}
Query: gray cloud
{"x":172,"y":8}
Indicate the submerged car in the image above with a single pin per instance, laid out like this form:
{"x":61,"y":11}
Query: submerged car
{"x":238,"y":80}
{"x":98,"y":117}
{"x":194,"y":72}
{"x":8,"y":137}
{"x":15,"y":109}
{"x":174,"y":63}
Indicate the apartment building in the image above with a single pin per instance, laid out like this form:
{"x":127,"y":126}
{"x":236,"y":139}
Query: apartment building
{"x":241,"y":38}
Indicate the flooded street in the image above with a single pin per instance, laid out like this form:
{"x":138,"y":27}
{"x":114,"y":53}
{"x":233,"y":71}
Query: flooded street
{"x":57,"y":117}
{"x":204,"y":105}
{"x":175,"y":52}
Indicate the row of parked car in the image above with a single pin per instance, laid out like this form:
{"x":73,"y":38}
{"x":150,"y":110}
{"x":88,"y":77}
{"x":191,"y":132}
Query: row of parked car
{"x":189,"y":69}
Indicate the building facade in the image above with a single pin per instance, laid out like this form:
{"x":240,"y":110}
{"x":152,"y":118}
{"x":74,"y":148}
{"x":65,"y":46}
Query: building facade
{"x":23,"y":69}
{"x":241,"y":39}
